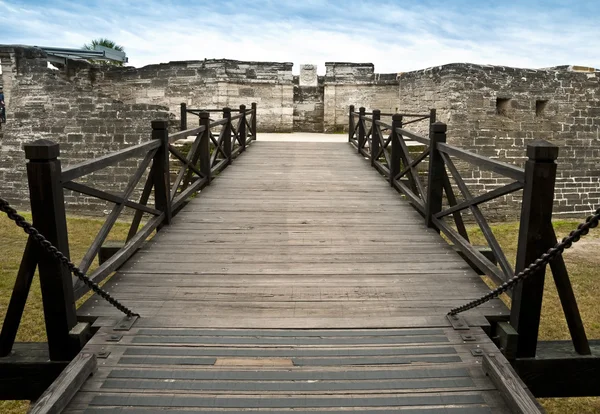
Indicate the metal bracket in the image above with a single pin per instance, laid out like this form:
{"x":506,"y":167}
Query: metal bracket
{"x":102,"y":354}
{"x":114,"y":338}
{"x":468,"y":337}
{"x":458,"y":322}
{"x":126,"y":323}
{"x":477,"y":352}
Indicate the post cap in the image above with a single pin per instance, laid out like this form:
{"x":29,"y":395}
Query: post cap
{"x":160,"y":124}
{"x":41,"y":149}
{"x":542,"y":150}
{"x":439,"y":127}
{"x":376,"y":111}
{"x":253,"y":104}
{"x":397,"y":117}
{"x":242,"y":107}
{"x":226,"y":109}
{"x":183,"y":104}
{"x":362,"y":109}
{"x":204,"y":115}
{"x":352,"y":107}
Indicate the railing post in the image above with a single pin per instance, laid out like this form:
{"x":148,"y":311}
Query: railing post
{"x":375,"y":138}
{"x":227,"y":134}
{"x":254,"y":121}
{"x":435,"y":186}
{"x":396,"y":157}
{"x":242,"y":129}
{"x":536,"y":219}
{"x":204,"y":150}
{"x":361,"y":128}
{"x":350,"y":123}
{"x":49,"y":217}
{"x":183,"y":117}
{"x":160,"y":170}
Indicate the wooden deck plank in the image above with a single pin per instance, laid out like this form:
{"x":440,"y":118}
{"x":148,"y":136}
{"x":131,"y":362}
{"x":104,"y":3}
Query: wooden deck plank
{"x":298,"y":280}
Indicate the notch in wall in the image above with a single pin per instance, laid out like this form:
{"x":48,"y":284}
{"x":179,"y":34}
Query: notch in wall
{"x":540,"y":107}
{"x":502,"y":106}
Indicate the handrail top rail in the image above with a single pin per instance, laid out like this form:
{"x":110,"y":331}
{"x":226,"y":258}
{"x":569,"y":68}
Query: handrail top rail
{"x":219,"y":122}
{"x":204,"y":110}
{"x":184,"y":134}
{"x":194,"y":110}
{"x":383,"y":124}
{"x":403,"y":114}
{"x":89,"y":166}
{"x":355,"y":113}
{"x":502,"y":168}
{"x":413,"y":136}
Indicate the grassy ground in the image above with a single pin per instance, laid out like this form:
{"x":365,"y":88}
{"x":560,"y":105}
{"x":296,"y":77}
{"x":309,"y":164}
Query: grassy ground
{"x":81,"y":234}
{"x":582,"y":263}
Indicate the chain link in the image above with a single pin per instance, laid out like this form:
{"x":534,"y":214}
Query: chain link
{"x":52,"y":250}
{"x":573,"y":237}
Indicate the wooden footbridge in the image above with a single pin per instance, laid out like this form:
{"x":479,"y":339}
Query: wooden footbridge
{"x":298,"y":280}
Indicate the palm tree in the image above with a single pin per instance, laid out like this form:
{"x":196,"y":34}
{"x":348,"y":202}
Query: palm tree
{"x":105,"y":43}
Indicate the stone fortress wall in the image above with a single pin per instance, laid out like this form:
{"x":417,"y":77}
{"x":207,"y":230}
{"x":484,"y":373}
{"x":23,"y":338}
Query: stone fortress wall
{"x":492,"y":110}
{"x":49,"y":104}
{"x":496,"y":111}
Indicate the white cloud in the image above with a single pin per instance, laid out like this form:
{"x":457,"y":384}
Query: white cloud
{"x":392,"y":36}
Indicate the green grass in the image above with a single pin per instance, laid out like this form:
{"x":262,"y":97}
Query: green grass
{"x":582,"y":261}
{"x":81,"y":234}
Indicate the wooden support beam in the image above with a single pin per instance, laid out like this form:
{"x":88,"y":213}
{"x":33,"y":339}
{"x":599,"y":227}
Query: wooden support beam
{"x":204,"y":150}
{"x":18,"y":299}
{"x":253,"y":127}
{"x":435,"y":187}
{"x":49,"y":217}
{"x":160,"y":170}
{"x":536,"y":220}
{"x":514,"y":392}
{"x":227,"y":144}
{"x":242,"y":129}
{"x":361,"y":128}
{"x":375,"y":137}
{"x":350,"y":123}
{"x":506,"y":338}
{"x":396,"y":157}
{"x":484,"y":250}
{"x":27,"y":372}
{"x":108,"y":250}
{"x":183,"y":117}
{"x":558,"y":371}
{"x":58,"y":395}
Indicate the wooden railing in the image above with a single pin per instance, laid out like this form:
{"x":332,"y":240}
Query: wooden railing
{"x":215,"y":144}
{"x":367,"y":132}
{"x":244,"y":128}
{"x":432,"y":192}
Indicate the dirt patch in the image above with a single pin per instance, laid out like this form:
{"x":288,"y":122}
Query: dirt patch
{"x":585,"y":248}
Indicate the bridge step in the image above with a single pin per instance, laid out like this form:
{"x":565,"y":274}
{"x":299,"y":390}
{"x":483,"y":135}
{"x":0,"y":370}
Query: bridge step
{"x":427,"y":370}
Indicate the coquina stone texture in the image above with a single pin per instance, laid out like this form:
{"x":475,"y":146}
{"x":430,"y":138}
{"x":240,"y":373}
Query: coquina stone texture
{"x":50,"y":104}
{"x":496,"y":111}
{"x":492,"y":110}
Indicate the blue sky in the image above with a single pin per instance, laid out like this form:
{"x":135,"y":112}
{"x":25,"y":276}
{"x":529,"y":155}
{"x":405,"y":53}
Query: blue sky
{"x":396,"y":36}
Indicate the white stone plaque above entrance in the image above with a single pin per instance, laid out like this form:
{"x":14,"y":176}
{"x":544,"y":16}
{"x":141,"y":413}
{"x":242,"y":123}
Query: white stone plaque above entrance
{"x":308,"y":75}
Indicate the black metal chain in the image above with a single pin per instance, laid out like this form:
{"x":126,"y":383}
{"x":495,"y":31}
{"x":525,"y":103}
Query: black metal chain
{"x":582,"y":229}
{"x":52,"y":250}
